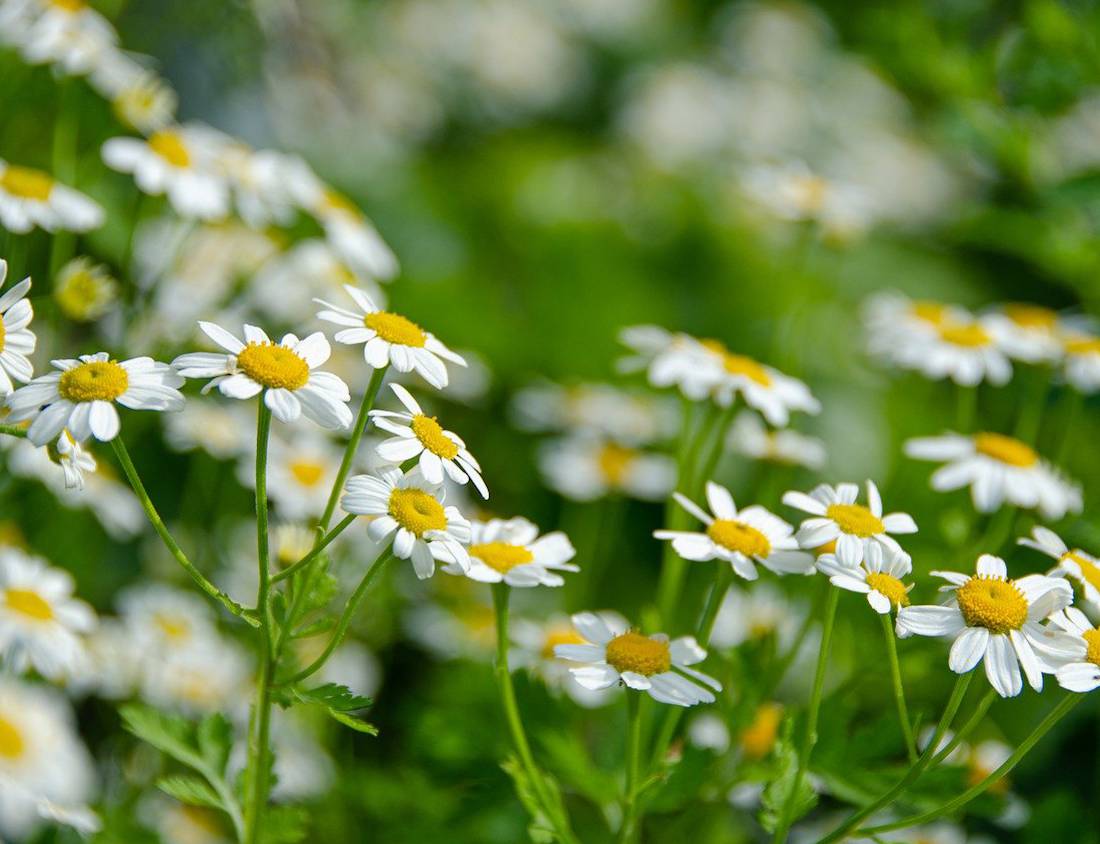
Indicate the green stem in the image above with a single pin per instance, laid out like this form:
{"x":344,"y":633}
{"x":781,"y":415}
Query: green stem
{"x":169,"y":542}
{"x":628,"y":831}
{"x":715,"y":448}
{"x":1032,"y":404}
{"x":13,"y":431}
{"x":966,"y":408}
{"x":899,"y":689}
{"x":294,"y":568}
{"x":966,"y":729}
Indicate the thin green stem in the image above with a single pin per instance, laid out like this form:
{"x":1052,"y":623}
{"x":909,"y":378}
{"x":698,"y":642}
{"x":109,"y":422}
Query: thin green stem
{"x":899,"y":689}
{"x":294,"y":568}
{"x":628,"y":831}
{"x":960,"y":735}
{"x":966,"y":408}
{"x":13,"y":431}
{"x":714,"y":449}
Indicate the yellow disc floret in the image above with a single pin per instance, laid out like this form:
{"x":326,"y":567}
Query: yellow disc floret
{"x":632,"y":651}
{"x":170,"y":146}
{"x":501,"y":556}
{"x":307,"y":472}
{"x":889,"y":586}
{"x":417,"y":511}
{"x":738,"y":536}
{"x":741,"y":365}
{"x":560,"y":636}
{"x":273,"y":366}
{"x":934,"y":313}
{"x":1083,"y":346}
{"x":176,"y":628}
{"x":1031,"y":316}
{"x":12,"y":744}
{"x":3,"y":334}
{"x":969,"y":335}
{"x":394,"y":328}
{"x":29,"y":603}
{"x":993,"y":603}
{"x":431,"y":436}
{"x":1005,"y":449}
{"x":758,"y":738}
{"x":614,"y":461}
{"x":1090,"y":571}
{"x":1092,"y":639}
{"x":100,"y":380}
{"x":26,"y":183}
{"x":855,"y":519}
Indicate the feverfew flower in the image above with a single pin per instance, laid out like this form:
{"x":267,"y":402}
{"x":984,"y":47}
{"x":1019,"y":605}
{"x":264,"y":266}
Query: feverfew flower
{"x":70,"y":35}
{"x":81,"y":396}
{"x":84,"y":290}
{"x":285,"y":372}
{"x":894,"y":322}
{"x":878,"y":576}
{"x":16,"y":340}
{"x":1081,"y":362}
{"x":651,"y":664}
{"x":743,"y":538}
{"x":30,"y":198}
{"x":1075,"y":564}
{"x":73,"y":459}
{"x":997,"y":620}
{"x":346,"y":227}
{"x":750,"y":437}
{"x":300,"y":474}
{"x":1082,"y":672}
{"x":669,"y":360}
{"x":511,"y":550}
{"x":967,"y":352}
{"x":762,"y":387}
{"x":534,"y":651}
{"x":585,"y":468}
{"x":1026,"y":332}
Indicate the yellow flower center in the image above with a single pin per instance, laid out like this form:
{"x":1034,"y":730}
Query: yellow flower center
{"x":417,"y":511}
{"x":1031,"y":316}
{"x":26,"y":183}
{"x":810,"y":193}
{"x":738,"y":536}
{"x":614,"y":462}
{"x":101,"y":380}
{"x":501,"y":556}
{"x":307,"y":472}
{"x":889,"y":586}
{"x":29,"y":603}
{"x":969,"y":335}
{"x":560,"y":636}
{"x":1092,"y":638}
{"x":3,"y":334}
{"x":12,"y":744}
{"x":336,"y":201}
{"x":934,"y":313}
{"x":68,"y":5}
{"x":741,"y":365}
{"x":394,"y":328}
{"x":1083,"y":346}
{"x":1090,"y":573}
{"x":828,"y":548}
{"x":990,"y":602}
{"x":758,"y":738}
{"x":632,"y":651}
{"x":275,"y":367}
{"x":431,"y":436}
{"x":82,"y":293}
{"x":170,"y":146}
{"x":1005,"y":449}
{"x":174,"y":627}
{"x":855,"y":519}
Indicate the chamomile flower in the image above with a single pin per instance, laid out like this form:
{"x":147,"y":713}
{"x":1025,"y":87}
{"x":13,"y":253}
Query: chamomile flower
{"x":346,"y":227}
{"x":894,"y":321}
{"x":749,"y":436}
{"x":301,"y":471}
{"x":1081,"y":360}
{"x":42,"y":626}
{"x":1082,"y":672}
{"x":669,"y":359}
{"x":162,"y":620}
{"x":81,"y":396}
{"x":534,"y":650}
{"x":286,"y":373}
{"x":585,"y":468}
{"x":997,"y":620}
{"x":998,"y":469}
{"x":511,"y":550}
{"x":652,"y":664}
{"x":854,"y":527}
{"x":138,"y":97}
{"x":419,"y":436}
{"x":73,"y":459}
{"x":209,"y":677}
{"x":68,"y":34}
{"x":16,"y":340}
{"x":791,"y":191}
{"x":742,"y":538}
{"x":410,"y":510}
{"x":878,"y":576}
{"x":84,"y":290}
{"x":1075,"y":564}
{"x":30,"y":198}
{"x":747,"y":615}
{"x":968,"y":352}
{"x":222,"y":431}
{"x":762,"y":387}
{"x":390,"y":338}
{"x":1026,"y":332}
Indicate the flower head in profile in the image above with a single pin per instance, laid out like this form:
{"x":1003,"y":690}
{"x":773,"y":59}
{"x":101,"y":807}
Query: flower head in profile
{"x":534,"y":650}
{"x":853,"y":527}
{"x":997,"y":620}
{"x":742,"y":538}
{"x":73,"y":458}
{"x":1081,"y":672}
{"x":511,"y":551}
{"x":16,"y":339}
{"x":389,"y":338}
{"x":652,"y":664}
{"x":81,"y":396}
{"x":585,"y":467}
{"x":968,"y":351}
{"x":1026,"y":331}
{"x":410,"y":511}
{"x":30,"y":198}
{"x":419,"y":436}
{"x":763,"y":388}
{"x":1077,"y":565}
{"x":1081,"y":360}
{"x":878,"y":576}
{"x":750,"y":436}
{"x":285,"y":372}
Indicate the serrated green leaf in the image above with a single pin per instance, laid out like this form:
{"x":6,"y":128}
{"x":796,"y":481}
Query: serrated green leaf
{"x":284,"y":825}
{"x":215,"y":739}
{"x":315,"y":628}
{"x":540,"y":830}
{"x":777,"y":799}
{"x":357,"y":724}
{"x":169,"y":734}
{"x":334,"y":696}
{"x":190,"y":790}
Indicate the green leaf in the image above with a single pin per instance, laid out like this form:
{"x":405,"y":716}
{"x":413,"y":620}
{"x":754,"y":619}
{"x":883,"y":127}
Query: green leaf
{"x":215,"y":738}
{"x":169,"y":734}
{"x":357,"y":724}
{"x":314,"y":628}
{"x":324,"y":589}
{"x":338,"y":701}
{"x":777,"y":796}
{"x":284,"y":825}
{"x":190,"y":790}
{"x":540,"y":830}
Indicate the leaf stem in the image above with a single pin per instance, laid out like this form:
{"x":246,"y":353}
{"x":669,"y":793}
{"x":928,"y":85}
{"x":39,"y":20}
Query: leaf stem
{"x":899,"y":689}
{"x":628,"y":830}
{"x":294,"y":568}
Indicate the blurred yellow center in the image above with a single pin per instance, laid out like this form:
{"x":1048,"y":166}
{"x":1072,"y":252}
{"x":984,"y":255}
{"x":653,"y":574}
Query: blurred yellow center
{"x":934,"y":313}
{"x":990,"y":602}
{"x":758,"y":738}
{"x":26,"y":183}
{"x":431,"y":436}
{"x":417,"y":511}
{"x":1083,"y":346}
{"x":11,"y":740}
{"x":29,"y":603}
{"x":855,"y":519}
{"x":738,"y":536}
{"x":174,"y":627}
{"x":634,"y":652}
{"x":969,"y":335}
{"x":828,"y":548}
{"x":272,"y":366}
{"x":614,"y":462}
{"x":1005,"y":449}
{"x":101,"y":380}
{"x":1031,"y":316}
{"x":68,"y":5}
{"x":1090,"y":572}
{"x":82,"y":293}
{"x":307,"y":472}
{"x":889,"y":586}
{"x":1092,"y":639}
{"x":336,"y":201}
{"x":3,"y":334}
{"x":170,"y":146}
{"x":501,"y":556}
{"x":560,"y":636}
{"x":741,"y":365}
{"x":394,"y":328}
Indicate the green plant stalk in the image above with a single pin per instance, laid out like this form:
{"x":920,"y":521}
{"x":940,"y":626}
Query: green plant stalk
{"x":714,"y":449}
{"x":14,"y":431}
{"x":631,"y":820}
{"x":324,"y":542}
{"x":966,"y":408}
{"x":960,"y":735}
{"x":166,"y":537}
{"x":899,"y":689}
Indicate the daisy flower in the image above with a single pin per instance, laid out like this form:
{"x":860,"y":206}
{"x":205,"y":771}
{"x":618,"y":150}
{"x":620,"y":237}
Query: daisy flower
{"x":30,"y":198}
{"x":73,"y":459}
{"x":893,"y":321}
{"x":534,"y":651}
{"x":81,"y":396}
{"x":300,"y":474}
{"x":410,"y":510}
{"x":390,"y":338}
{"x":669,"y":359}
{"x":346,"y":227}
{"x":757,"y":613}
{"x":419,"y":436}
{"x":1026,"y":332}
{"x":997,"y":469}
{"x":763,"y":388}
{"x":138,"y":97}
{"x":585,"y":468}
{"x":71,"y":36}
{"x":968,"y":352}
{"x":1082,"y":672}
{"x":742,"y":538}
{"x":1081,"y":363}
{"x":285,"y":372}
{"x":84,"y":290}
{"x":791,"y":191}
{"x":878,"y":576}
{"x":16,"y":340}
{"x":750,"y":437}
{"x":511,"y":550}
{"x":651,"y":664}
{"x":1075,"y":564}
{"x":41,"y":624}
{"x":162,"y":620}
{"x":997,"y":620}
{"x":854,"y":527}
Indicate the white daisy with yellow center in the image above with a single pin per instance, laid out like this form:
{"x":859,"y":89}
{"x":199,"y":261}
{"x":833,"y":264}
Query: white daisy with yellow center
{"x":389,"y":338}
{"x":853,"y":527}
{"x":82,"y":394}
{"x":625,"y":416}
{"x":410,"y":511}
{"x":878,"y":576}
{"x":222,"y":431}
{"x":17,"y":341}
{"x":751,"y":437}
{"x":179,"y":161}
{"x":300,"y":474}
{"x":763,"y":388}
{"x":68,"y":34}
{"x":998,"y":469}
{"x":761,"y":612}
{"x":75,"y":461}
{"x":1081,"y":360}
{"x":138,"y":97}
{"x":42,"y":626}
{"x":1027,"y":332}
{"x":652,"y":664}
{"x":84,"y":290}
{"x":997,"y":620}
{"x":792,"y":191}
{"x":742,"y":538}
{"x":669,"y":359}
{"x":211,"y":676}
{"x":285,"y":372}
{"x":967,"y":351}
{"x":585,"y":467}
{"x":417,"y":436}
{"x":511,"y":551}
{"x":1081,"y":567}
{"x":347,"y":228}
{"x":30,"y":198}
{"x":1080,"y":673}
{"x":894,"y":322}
